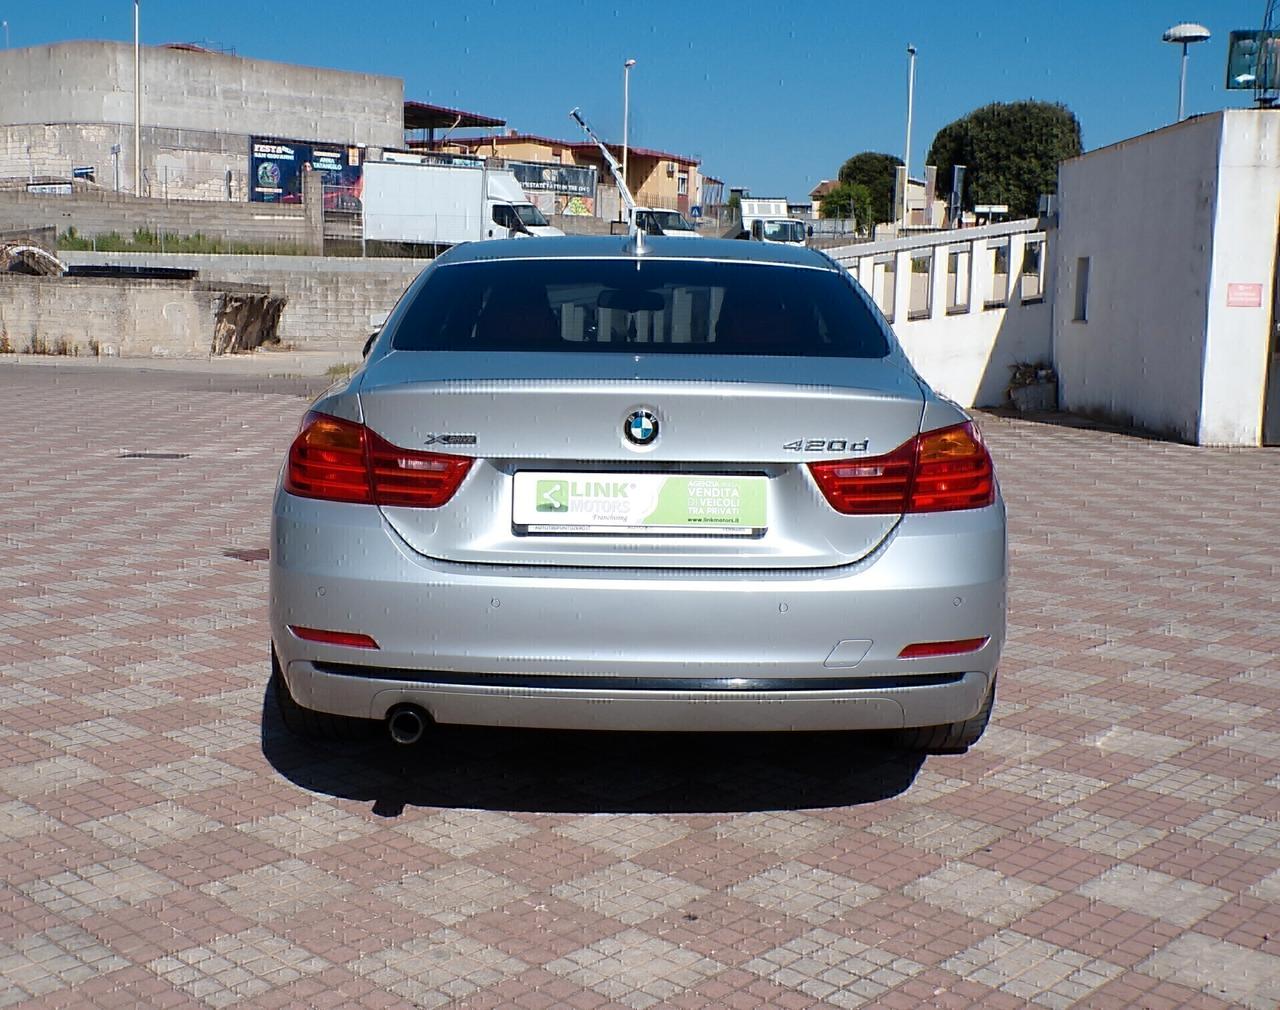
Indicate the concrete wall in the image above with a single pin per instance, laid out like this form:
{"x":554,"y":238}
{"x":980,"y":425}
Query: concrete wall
{"x":964,"y":353}
{"x":135,"y":318}
{"x":1169,"y":222}
{"x":65,"y":105}
{"x":95,"y":212}
{"x":191,"y":164}
{"x":1142,"y":212}
{"x":92,"y":82}
{"x":333,"y":303}
{"x":1244,"y":252}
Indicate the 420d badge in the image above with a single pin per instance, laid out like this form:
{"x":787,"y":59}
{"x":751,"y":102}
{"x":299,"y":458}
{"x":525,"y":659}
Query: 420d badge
{"x":826,"y":445}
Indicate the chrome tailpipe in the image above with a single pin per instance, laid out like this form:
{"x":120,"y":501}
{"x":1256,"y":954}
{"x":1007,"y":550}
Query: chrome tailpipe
{"x":406,"y":724}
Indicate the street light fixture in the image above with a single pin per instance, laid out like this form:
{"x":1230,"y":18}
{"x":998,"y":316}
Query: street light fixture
{"x":1185,"y":34}
{"x":626,"y":112}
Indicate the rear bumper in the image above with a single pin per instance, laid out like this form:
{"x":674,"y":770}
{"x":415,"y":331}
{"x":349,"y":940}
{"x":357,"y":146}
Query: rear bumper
{"x":678,"y":644}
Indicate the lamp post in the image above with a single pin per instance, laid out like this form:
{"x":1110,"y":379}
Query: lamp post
{"x":1185,"y":34}
{"x":6,"y":33}
{"x":911,"y":101}
{"x":137,"y":105}
{"x":626,"y":113}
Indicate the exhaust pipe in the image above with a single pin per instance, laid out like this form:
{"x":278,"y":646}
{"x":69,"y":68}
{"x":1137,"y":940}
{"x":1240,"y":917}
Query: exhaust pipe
{"x":406,"y":724}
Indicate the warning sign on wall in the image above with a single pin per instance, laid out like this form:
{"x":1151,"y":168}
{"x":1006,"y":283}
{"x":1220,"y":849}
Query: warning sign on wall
{"x":1244,"y":296}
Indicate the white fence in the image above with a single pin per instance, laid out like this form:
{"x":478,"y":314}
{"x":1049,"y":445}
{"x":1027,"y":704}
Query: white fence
{"x":966,"y":304}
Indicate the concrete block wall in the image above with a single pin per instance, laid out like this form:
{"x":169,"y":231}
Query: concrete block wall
{"x":134,"y":318}
{"x":185,"y":164}
{"x":333,"y":303}
{"x":92,"y":82}
{"x":93,"y":211}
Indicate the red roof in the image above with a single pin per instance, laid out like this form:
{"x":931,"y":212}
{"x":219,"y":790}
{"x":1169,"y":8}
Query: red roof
{"x":639,"y":152}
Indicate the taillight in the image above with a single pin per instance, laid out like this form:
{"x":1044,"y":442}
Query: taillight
{"x":937,"y":471}
{"x":327,"y":460}
{"x":339,"y":460}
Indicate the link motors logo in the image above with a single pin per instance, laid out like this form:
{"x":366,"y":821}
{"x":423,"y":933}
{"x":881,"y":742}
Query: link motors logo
{"x":640,"y":427}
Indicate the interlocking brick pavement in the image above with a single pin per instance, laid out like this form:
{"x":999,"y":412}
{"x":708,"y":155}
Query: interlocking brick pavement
{"x":1114,"y":840}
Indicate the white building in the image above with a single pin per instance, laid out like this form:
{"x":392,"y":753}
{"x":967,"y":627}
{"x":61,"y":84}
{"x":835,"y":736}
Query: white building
{"x":1165,"y":290}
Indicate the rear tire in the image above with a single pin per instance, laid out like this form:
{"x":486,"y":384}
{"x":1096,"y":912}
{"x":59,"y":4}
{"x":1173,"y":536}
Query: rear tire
{"x":307,"y":722}
{"x":952,"y":737}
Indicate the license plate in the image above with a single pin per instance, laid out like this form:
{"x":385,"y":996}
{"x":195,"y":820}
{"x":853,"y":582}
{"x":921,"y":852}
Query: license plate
{"x":639,"y":503}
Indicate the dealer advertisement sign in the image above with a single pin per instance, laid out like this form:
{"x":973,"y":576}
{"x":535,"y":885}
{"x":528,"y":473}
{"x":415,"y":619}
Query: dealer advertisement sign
{"x":639,"y":503}
{"x":276,"y":167}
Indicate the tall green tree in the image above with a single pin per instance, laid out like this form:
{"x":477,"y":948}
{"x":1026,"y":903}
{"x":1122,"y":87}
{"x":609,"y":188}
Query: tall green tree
{"x":877,"y":173}
{"x":1011,"y":150}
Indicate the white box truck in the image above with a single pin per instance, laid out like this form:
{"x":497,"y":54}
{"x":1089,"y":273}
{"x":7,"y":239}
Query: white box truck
{"x":446,"y":204}
{"x":766,"y":220}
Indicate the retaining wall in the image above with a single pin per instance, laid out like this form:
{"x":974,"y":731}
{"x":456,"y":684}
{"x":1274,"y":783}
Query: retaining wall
{"x":97,"y":212}
{"x":333,"y":303}
{"x":130,"y":318}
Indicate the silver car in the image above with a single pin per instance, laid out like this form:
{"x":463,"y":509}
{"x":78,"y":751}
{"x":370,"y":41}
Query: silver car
{"x":638,"y":483}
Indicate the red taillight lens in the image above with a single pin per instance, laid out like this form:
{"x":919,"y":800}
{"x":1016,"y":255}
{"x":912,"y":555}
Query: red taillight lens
{"x":339,"y":460}
{"x":953,"y":471}
{"x":404,"y":477}
{"x":353,"y":639}
{"x":954,"y":648}
{"x":859,"y":487}
{"x":938,"y":471}
{"x":327,"y":460}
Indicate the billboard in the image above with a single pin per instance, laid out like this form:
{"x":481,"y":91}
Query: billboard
{"x":551,"y":177}
{"x":276,"y":167}
{"x":1253,"y":61}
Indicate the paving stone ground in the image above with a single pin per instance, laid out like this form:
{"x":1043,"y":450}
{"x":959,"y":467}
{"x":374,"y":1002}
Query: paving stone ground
{"x":1114,"y":840}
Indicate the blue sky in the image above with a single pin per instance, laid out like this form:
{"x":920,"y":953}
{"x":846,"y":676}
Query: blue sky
{"x":771,"y":96}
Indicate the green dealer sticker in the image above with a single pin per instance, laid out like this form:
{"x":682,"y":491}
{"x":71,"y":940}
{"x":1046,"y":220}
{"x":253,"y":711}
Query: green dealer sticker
{"x":715,"y":501}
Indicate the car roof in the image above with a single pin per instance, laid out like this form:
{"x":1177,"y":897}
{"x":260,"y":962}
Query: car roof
{"x":624,"y":247}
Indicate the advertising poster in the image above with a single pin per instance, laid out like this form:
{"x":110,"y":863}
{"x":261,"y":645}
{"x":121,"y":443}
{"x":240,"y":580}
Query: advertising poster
{"x":276,"y":167}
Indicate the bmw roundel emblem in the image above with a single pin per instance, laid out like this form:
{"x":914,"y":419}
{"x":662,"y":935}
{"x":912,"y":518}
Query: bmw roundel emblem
{"x":640,"y":427}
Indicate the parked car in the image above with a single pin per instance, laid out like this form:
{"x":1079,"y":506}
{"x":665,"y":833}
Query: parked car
{"x":618,"y":483}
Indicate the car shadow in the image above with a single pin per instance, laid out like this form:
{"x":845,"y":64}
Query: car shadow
{"x":553,"y":771}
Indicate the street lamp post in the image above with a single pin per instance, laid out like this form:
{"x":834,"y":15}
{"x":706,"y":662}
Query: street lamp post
{"x":911,"y":100}
{"x":137,"y":105}
{"x":1185,"y":34}
{"x":626,"y":113}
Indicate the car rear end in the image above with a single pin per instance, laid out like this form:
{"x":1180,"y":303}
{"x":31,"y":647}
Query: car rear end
{"x":604,"y":487}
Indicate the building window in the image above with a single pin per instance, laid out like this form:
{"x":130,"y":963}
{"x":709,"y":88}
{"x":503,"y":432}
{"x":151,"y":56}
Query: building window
{"x":884,"y":283}
{"x":998,"y":297}
{"x":920,"y":298}
{"x":959,"y":273}
{"x":1082,"y":290}
{"x":682,"y":184}
{"x":1031,"y":278}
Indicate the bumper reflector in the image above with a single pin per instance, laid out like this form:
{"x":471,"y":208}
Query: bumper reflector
{"x":954,"y":648}
{"x":351,"y":639}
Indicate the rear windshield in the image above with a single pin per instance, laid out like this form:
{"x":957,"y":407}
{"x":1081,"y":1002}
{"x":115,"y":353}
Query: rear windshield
{"x":655,"y":306}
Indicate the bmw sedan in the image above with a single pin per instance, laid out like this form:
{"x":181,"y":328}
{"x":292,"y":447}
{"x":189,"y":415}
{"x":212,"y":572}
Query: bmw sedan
{"x":638,"y":483}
